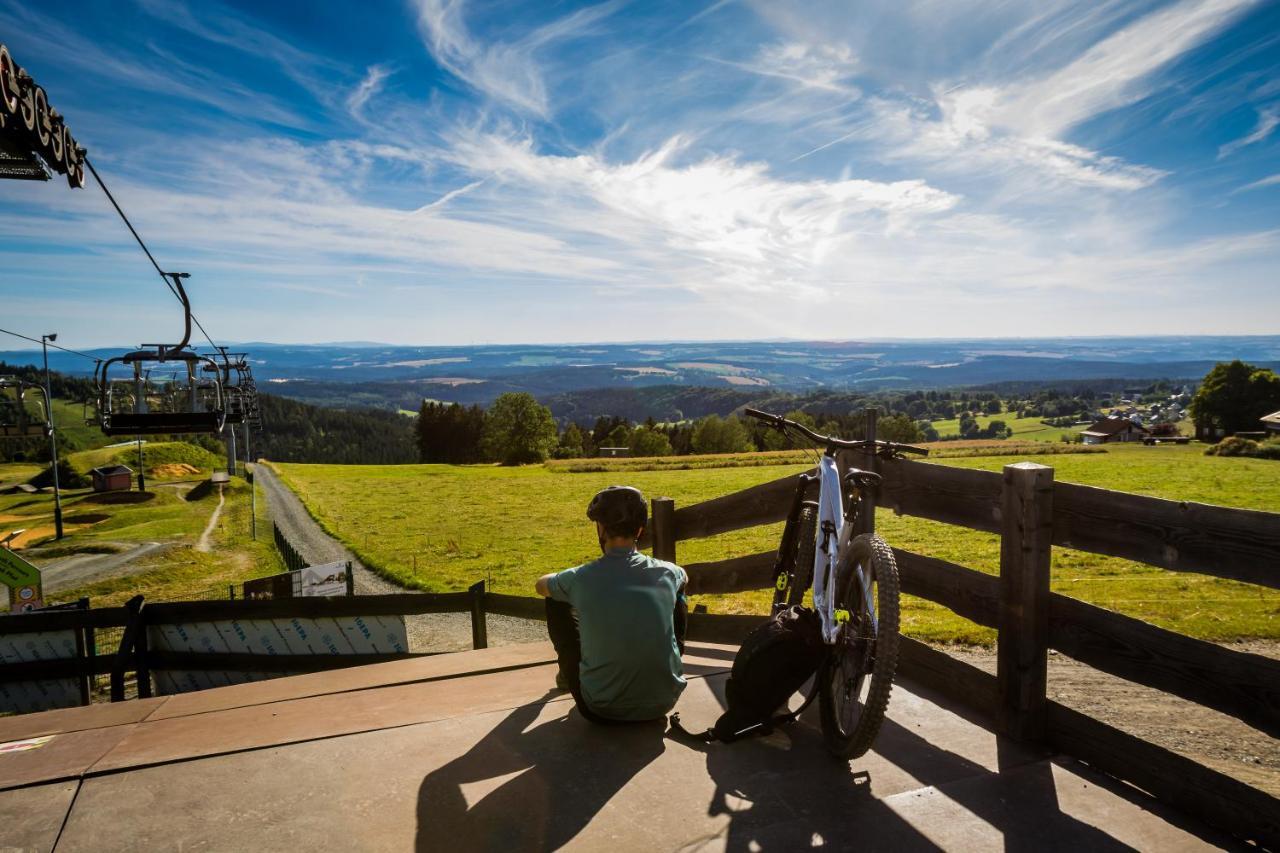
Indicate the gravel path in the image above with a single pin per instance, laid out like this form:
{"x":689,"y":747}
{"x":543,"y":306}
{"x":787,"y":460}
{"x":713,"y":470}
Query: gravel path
{"x":435,"y":632}
{"x":80,"y":569}
{"x":204,"y":544}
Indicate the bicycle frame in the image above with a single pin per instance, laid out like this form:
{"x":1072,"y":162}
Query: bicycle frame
{"x":855,"y":515}
{"x":841,"y":517}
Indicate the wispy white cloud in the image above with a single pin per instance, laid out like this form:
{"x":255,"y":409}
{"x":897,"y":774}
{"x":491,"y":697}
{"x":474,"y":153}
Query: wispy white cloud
{"x":814,"y":66}
{"x":374,"y":77}
{"x":1115,"y":72}
{"x":506,"y":71}
{"x":1261,"y":183}
{"x":1268,"y":120}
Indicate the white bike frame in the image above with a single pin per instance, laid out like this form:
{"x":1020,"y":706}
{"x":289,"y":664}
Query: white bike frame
{"x":831,"y":550}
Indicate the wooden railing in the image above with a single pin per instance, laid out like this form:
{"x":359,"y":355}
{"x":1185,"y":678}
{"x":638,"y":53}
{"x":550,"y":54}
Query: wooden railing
{"x":1032,"y":513}
{"x":1023,"y":505}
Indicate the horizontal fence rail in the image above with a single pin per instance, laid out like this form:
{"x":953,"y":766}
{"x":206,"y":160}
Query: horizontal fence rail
{"x":1032,"y":514}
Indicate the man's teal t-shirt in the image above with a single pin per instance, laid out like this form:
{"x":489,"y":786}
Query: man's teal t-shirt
{"x":631,"y":668}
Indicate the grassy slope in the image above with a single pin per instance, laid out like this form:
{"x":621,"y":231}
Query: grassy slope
{"x":96,"y":523}
{"x":153,"y":454}
{"x":443,"y":527}
{"x":1024,"y":429}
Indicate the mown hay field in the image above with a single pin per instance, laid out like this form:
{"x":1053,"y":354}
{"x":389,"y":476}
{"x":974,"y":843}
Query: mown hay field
{"x":440,"y":528}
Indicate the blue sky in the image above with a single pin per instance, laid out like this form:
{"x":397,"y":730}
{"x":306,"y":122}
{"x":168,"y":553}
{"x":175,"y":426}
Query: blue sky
{"x":421,"y":171}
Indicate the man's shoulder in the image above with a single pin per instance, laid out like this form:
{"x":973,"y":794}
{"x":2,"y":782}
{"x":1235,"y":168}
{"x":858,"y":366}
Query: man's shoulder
{"x":668,"y":567}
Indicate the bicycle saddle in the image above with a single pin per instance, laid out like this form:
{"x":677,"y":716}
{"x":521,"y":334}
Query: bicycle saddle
{"x":862,"y":479}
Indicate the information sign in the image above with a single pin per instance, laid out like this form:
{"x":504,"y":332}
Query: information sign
{"x":23,"y":580}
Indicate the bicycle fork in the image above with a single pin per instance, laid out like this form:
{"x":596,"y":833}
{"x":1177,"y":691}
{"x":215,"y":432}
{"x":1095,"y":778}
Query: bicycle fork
{"x":784,"y":568}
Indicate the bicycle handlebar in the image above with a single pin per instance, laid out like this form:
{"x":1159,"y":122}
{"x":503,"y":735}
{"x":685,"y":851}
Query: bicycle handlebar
{"x":780,"y":423}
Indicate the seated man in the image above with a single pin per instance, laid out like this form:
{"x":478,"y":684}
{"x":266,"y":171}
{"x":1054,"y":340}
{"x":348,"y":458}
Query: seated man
{"x":618,"y":623}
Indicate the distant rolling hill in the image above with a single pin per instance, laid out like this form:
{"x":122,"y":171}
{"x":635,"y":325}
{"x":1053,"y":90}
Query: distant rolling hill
{"x":649,"y":377}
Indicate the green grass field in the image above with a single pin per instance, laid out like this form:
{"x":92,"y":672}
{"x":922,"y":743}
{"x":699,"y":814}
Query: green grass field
{"x":168,"y":513}
{"x":441,"y":528}
{"x":1024,"y":429}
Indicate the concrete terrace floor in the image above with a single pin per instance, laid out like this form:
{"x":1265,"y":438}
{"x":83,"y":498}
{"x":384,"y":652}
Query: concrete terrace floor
{"x":473,"y":751}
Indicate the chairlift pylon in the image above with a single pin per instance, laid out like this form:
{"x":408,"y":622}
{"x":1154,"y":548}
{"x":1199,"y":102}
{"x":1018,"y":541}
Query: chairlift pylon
{"x":24,"y":409}
{"x":163,"y":388}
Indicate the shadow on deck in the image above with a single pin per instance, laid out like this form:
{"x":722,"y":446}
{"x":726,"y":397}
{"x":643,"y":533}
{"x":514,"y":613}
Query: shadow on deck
{"x":472,"y":751}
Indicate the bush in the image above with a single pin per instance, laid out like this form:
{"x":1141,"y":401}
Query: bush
{"x":1236,"y":446}
{"x":1269,"y":449}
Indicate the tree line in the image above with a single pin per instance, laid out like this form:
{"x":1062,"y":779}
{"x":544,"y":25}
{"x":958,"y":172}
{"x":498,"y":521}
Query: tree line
{"x":516,"y":429}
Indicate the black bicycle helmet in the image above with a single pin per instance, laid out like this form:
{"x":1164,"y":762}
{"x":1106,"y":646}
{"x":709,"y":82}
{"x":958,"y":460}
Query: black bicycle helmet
{"x":619,"y":507}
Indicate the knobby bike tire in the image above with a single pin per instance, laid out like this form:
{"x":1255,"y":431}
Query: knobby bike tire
{"x":806,"y":546}
{"x":850,"y":743}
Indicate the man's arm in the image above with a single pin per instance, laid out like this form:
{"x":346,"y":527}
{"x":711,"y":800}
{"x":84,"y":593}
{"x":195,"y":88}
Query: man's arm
{"x":541,"y":585}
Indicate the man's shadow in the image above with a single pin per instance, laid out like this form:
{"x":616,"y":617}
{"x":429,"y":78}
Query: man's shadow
{"x":561,"y":774}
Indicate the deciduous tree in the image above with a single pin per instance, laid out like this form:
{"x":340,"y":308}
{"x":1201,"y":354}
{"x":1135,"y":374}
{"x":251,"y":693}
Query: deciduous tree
{"x":517,"y":430}
{"x":1234,"y":395}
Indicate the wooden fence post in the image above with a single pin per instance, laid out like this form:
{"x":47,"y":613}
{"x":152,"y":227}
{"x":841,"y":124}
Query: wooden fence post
{"x":479,"y":627}
{"x":1025,"y":546}
{"x":867,"y":520}
{"x":128,"y":643}
{"x":662,"y":522}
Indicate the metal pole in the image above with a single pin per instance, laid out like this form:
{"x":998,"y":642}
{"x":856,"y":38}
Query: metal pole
{"x":142,"y":479}
{"x":253,"y":502}
{"x":231,"y":451}
{"x":53,"y":439}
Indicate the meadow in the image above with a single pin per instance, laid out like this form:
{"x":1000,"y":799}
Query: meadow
{"x":172,"y":512}
{"x":441,"y":528}
{"x":1024,"y":429}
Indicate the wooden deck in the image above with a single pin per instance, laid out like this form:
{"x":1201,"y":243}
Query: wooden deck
{"x":476,"y":751}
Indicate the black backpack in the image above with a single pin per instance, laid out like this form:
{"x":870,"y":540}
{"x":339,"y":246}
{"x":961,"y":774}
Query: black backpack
{"x":774,"y":661}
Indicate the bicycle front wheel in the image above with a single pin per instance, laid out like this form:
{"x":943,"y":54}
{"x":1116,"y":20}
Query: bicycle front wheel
{"x":858,"y":675}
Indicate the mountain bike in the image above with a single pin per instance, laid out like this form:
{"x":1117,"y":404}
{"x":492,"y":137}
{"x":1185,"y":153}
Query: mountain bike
{"x":831,"y":545}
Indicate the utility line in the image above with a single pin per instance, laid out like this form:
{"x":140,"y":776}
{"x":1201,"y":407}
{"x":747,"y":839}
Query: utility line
{"x":163,"y":276}
{"x":55,"y":346}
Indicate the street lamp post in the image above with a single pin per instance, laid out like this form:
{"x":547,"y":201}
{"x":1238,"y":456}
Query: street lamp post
{"x":53,"y":438}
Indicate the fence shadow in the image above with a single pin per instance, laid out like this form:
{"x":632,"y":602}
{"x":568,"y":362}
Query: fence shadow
{"x":785,"y":792}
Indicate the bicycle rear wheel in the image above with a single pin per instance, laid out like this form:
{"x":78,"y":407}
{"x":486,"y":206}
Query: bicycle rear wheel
{"x":858,"y":675}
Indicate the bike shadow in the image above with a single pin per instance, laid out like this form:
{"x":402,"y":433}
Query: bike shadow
{"x":785,"y":792}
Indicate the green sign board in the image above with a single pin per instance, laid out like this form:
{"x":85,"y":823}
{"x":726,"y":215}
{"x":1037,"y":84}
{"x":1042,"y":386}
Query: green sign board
{"x":16,"y":572}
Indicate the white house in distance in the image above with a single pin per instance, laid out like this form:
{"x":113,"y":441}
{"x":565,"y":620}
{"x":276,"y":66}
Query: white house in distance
{"x":1114,"y":429}
{"x":1271,"y":423}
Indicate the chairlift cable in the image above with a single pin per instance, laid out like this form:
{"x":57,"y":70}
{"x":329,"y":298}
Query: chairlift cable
{"x":164,"y":277}
{"x":129,"y":225}
{"x":55,"y":346}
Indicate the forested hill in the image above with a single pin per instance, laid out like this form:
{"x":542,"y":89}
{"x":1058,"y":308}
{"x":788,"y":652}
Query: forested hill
{"x":298,"y":432}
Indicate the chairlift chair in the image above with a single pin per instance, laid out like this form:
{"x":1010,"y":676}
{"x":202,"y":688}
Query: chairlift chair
{"x":161,"y":389}
{"x":24,"y":409}
{"x":239,"y":389}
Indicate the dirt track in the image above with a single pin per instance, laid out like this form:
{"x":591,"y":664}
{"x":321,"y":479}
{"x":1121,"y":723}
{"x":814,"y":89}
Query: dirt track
{"x":1215,"y":740}
{"x":440,"y":632}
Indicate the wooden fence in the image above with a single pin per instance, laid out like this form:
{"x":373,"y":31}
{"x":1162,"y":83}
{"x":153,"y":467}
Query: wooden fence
{"x":1032,"y":514}
{"x":1023,"y":505}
